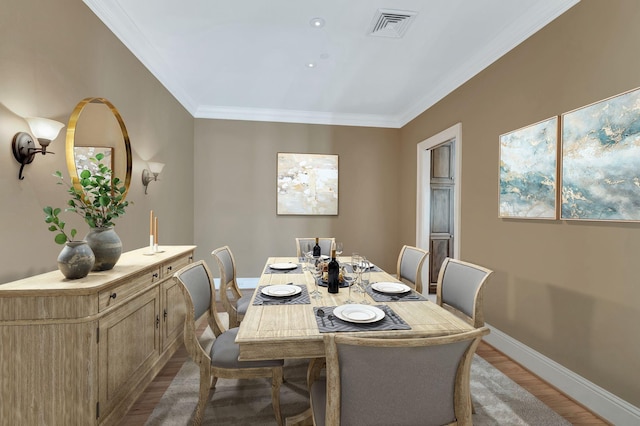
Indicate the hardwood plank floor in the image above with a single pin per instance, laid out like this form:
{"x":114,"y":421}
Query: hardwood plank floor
{"x":556,"y":400}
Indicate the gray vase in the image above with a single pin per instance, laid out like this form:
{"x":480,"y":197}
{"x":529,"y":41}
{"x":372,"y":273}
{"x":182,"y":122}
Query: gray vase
{"x":106,"y":246}
{"x":76,"y":260}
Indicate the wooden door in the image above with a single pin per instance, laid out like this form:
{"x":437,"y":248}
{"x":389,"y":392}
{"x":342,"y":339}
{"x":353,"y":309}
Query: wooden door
{"x":442,"y":186}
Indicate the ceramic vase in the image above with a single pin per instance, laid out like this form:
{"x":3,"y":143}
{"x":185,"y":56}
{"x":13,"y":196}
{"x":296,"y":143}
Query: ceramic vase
{"x":76,"y":260}
{"x":106,"y":246}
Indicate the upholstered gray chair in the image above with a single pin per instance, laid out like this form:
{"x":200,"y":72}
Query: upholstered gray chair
{"x":324,"y":243}
{"x":232,"y":299}
{"x":410,"y":261}
{"x":461,"y":289}
{"x":416,"y":381}
{"x":199,"y":294}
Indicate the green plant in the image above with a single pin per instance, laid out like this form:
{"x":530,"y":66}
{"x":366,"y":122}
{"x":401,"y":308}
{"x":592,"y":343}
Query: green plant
{"x":51,"y":216}
{"x":101,"y":199}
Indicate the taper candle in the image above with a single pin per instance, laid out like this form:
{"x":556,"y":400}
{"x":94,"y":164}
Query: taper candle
{"x":156,"y":231}
{"x":151,"y":236}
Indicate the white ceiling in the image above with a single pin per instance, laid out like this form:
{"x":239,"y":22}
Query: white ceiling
{"x":247,"y":59}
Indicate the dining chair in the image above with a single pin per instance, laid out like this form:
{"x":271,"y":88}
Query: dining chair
{"x":410,"y":261}
{"x":221,"y":361}
{"x":232,"y":299}
{"x":324,"y":243}
{"x":412,"y":381}
{"x":460,"y":289}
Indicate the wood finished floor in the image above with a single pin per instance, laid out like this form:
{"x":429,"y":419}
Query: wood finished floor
{"x":560,"y":403}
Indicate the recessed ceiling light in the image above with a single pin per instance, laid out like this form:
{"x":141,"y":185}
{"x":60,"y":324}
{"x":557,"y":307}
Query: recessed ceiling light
{"x":311,"y":64}
{"x":317,"y":22}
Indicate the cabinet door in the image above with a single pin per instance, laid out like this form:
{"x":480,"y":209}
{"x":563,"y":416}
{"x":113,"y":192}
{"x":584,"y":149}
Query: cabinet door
{"x":173,"y":312}
{"x":128,"y":346}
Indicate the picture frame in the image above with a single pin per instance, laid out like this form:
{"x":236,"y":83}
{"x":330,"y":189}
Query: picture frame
{"x":528,"y":171}
{"x":307,"y":184}
{"x":600,"y":172}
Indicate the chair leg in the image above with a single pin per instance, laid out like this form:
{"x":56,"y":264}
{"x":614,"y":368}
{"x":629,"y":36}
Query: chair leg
{"x":203,"y":396}
{"x":276,"y":381}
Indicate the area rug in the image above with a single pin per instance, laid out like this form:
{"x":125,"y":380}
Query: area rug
{"x":497,"y":399}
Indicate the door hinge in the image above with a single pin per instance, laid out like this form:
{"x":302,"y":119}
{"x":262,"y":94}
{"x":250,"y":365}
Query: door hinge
{"x":165,"y":314}
{"x":97,"y":409}
{"x":157,"y":321}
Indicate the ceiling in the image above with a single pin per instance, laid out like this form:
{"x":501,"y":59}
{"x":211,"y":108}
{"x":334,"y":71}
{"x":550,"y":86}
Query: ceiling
{"x":249,"y":59}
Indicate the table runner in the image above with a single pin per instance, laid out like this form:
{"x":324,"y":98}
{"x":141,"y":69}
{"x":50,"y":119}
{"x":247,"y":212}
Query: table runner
{"x":391,"y":321}
{"x":298,"y":299}
{"x":411,"y":296}
{"x":298,"y":270}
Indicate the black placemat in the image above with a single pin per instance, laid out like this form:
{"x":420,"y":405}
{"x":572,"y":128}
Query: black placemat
{"x":411,"y":296}
{"x":298,"y":270}
{"x":391,"y":321}
{"x":298,"y":299}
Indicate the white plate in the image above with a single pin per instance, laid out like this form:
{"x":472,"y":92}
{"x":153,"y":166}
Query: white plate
{"x":284,"y":290}
{"x":358,"y":313}
{"x":384,"y":287}
{"x":283,"y":266}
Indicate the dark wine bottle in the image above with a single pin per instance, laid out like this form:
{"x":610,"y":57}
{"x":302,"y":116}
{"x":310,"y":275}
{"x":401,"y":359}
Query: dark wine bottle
{"x":316,"y":249}
{"x":333,"y":280}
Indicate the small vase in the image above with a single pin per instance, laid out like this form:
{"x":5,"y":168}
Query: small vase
{"x":106,"y":246}
{"x":76,"y":260}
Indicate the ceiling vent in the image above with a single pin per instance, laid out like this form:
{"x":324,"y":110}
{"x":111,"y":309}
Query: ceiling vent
{"x":391,"y":23}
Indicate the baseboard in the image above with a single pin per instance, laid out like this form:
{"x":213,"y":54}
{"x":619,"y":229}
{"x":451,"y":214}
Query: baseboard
{"x":599,"y":400}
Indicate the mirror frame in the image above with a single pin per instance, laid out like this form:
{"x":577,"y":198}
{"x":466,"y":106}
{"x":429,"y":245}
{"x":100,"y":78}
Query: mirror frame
{"x":70,"y":141}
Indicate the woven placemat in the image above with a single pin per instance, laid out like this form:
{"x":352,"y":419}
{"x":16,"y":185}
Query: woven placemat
{"x":298,"y":270}
{"x":298,"y":299}
{"x":411,"y":296}
{"x":391,"y":321}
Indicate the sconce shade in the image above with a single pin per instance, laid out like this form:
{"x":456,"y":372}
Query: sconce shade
{"x":155,"y":168}
{"x":43,"y":128}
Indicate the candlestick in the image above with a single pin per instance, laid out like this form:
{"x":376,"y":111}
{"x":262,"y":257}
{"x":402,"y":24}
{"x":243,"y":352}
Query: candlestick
{"x":155,"y":233}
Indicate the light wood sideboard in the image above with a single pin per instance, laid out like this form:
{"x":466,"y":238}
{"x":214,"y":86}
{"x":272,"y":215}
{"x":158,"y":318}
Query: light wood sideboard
{"x":79,"y":352}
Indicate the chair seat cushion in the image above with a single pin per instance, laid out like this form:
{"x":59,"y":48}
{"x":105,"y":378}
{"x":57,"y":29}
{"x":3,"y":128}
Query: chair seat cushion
{"x":318,"y":395}
{"x":225,"y":351}
{"x":242,"y":304}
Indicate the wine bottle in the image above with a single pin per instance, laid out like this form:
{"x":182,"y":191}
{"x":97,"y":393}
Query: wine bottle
{"x":316,"y":249}
{"x":333,"y":280}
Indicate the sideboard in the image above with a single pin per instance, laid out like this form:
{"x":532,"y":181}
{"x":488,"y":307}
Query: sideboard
{"x":80,"y":352}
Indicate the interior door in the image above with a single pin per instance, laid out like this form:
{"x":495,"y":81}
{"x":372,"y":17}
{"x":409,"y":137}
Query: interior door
{"x":442,"y":191}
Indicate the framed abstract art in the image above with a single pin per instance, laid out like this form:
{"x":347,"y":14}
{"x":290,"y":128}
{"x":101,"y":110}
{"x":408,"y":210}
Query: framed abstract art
{"x":528,"y":171}
{"x":601,"y":160}
{"x":307,"y":184}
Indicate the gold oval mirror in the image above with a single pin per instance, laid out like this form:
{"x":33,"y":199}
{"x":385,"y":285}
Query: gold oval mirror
{"x":101,"y":130}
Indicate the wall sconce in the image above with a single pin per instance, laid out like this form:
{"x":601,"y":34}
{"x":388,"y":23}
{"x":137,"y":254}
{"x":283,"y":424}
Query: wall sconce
{"x":24,"y":149}
{"x":151,"y":174}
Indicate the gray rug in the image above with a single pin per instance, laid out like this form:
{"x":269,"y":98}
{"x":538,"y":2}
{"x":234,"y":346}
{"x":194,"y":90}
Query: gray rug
{"x":497,"y":399}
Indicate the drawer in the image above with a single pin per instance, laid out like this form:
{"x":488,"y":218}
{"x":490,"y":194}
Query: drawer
{"x":126,"y":289}
{"x":173,"y":265}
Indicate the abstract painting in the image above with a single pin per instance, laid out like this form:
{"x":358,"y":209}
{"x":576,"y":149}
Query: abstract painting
{"x":601,"y":160}
{"x":528,"y":170}
{"x":307,"y":184}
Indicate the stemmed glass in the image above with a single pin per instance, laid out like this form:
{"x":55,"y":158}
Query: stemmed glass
{"x":356,"y":266}
{"x":338,"y":249}
{"x":349,"y":279}
{"x":316,"y":272}
{"x":364,"y":278}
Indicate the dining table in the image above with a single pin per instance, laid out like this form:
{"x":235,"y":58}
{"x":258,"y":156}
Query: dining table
{"x":292,"y":325}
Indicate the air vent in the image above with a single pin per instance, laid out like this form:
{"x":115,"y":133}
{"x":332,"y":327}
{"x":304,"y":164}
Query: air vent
{"x":391,"y":23}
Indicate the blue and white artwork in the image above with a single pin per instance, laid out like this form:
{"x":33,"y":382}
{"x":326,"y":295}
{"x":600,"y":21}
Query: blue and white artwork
{"x":601,"y":160}
{"x":528,"y":171}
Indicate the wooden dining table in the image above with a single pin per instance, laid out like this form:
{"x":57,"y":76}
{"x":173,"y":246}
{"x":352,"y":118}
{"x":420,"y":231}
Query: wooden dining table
{"x":290,"y":331}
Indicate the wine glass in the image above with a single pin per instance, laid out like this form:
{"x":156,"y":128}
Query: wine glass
{"x":349,"y":279}
{"x":316,"y":272}
{"x":356,"y":267}
{"x":338,"y":249}
{"x":365,"y":275}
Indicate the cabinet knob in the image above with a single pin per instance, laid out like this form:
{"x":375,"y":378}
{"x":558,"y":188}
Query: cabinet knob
{"x":155,"y":275}
{"x":113,"y":295}
{"x":169,"y":268}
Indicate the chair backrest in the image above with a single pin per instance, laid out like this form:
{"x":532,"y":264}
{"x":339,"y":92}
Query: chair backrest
{"x":198,"y":290}
{"x":228,"y":283}
{"x":410,"y":261}
{"x":461,"y":288}
{"x":410,"y":381}
{"x":324,"y":243}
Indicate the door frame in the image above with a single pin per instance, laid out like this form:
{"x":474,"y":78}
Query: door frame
{"x":423,"y":227}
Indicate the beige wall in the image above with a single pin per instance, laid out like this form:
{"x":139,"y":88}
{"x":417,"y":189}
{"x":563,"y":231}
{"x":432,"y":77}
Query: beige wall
{"x":235,"y":179}
{"x":569,"y":290}
{"x":52,"y":55}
